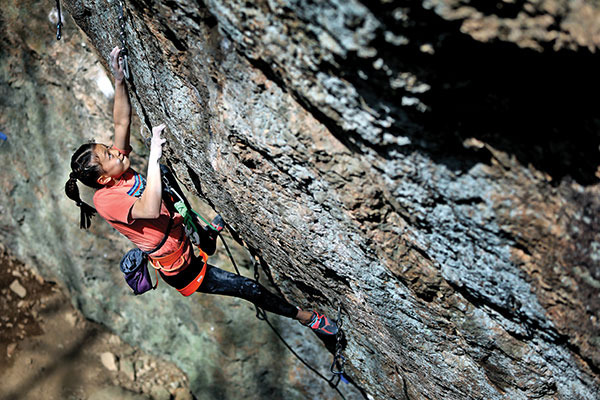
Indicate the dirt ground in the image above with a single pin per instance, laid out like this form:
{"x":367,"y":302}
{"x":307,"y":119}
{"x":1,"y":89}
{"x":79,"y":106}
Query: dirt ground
{"x":48,"y":350}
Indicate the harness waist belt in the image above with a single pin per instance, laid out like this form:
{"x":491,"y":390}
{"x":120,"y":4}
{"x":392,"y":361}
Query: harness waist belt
{"x":169,"y":259}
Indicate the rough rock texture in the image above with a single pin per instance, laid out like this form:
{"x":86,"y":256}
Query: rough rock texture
{"x":55,"y":96}
{"x":432,"y":166}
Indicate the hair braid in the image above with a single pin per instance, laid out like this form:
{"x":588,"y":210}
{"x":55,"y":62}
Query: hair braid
{"x":85,"y":170}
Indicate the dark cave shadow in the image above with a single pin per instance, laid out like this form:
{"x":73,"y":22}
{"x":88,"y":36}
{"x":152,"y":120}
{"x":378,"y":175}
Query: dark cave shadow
{"x":541,"y":107}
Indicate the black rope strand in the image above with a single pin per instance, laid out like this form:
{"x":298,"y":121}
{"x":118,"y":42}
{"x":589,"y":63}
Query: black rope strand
{"x":338,"y":359}
{"x":298,"y":356}
{"x":229,"y":254}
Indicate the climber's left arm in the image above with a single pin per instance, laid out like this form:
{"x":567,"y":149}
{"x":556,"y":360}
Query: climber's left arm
{"x":122,"y":106}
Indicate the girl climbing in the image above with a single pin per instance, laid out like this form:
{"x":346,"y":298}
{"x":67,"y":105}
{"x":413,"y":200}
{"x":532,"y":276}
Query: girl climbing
{"x":134,"y":206}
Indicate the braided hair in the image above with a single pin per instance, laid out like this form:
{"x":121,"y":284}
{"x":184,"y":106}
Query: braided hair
{"x":83,"y":168}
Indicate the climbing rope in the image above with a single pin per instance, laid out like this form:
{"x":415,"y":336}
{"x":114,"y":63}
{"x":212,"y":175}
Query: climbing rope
{"x":59,"y":22}
{"x":337,"y":367}
{"x":262,"y":315}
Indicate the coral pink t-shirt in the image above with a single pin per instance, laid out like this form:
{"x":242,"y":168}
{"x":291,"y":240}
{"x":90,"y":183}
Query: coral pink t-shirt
{"x":114,"y":202}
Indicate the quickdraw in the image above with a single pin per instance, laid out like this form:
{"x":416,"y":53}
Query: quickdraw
{"x":337,"y":366}
{"x":59,"y":22}
{"x":190,"y":228}
{"x":124,"y":51}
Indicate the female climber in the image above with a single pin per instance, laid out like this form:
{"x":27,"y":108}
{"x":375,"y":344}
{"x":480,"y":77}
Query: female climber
{"x":134,"y":206}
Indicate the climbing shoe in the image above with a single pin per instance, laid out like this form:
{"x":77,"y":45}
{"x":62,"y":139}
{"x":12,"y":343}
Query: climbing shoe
{"x":218,"y":224}
{"x":321,"y":324}
{"x":208,"y":237}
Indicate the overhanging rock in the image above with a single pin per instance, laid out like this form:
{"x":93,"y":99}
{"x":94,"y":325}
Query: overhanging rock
{"x":422,"y":164}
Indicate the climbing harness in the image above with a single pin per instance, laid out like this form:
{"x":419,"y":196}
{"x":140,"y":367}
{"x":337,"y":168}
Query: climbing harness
{"x":59,"y":23}
{"x":134,"y":266}
{"x":182,"y":206}
{"x":124,"y":51}
{"x":337,"y":367}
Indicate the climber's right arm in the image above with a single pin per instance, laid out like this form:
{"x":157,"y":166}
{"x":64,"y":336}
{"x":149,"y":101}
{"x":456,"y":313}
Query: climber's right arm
{"x":122,"y":106}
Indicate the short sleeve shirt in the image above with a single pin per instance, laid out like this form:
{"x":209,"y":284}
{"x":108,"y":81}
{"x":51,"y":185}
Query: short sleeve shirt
{"x":114,"y":203}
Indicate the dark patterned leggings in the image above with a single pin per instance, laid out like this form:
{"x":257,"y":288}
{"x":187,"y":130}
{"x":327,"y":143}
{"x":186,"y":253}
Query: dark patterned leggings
{"x":218,"y":281}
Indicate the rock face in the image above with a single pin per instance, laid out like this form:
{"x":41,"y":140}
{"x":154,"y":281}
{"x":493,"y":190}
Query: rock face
{"x":432,"y":167}
{"x":55,"y":96}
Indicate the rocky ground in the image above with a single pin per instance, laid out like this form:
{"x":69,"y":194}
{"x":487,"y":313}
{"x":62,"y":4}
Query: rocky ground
{"x":48,"y":350}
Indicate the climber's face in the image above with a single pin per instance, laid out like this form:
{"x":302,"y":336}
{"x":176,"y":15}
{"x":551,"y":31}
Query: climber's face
{"x":112,"y":162}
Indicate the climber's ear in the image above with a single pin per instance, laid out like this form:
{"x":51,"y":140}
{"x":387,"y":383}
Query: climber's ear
{"x":104,"y":180}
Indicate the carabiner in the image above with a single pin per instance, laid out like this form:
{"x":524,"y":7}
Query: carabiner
{"x":125,"y":67}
